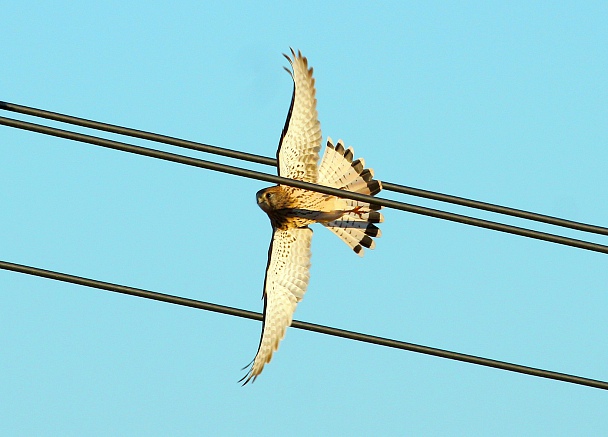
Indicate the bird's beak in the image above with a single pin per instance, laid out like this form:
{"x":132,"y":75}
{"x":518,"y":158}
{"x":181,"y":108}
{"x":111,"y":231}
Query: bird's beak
{"x":262,"y":203}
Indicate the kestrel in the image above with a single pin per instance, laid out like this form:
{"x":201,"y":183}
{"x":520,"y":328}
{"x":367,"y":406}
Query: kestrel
{"x":291,"y":209}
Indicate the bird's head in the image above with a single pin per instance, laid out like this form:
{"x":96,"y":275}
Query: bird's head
{"x":267,"y":198}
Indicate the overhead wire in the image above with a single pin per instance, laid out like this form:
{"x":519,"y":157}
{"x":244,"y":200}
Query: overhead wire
{"x":276,"y":179}
{"x":209,"y":165}
{"x":201,"y":147}
{"x":322,"y":329}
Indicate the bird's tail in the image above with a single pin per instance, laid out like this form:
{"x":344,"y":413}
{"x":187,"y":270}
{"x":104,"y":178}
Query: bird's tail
{"x":338,"y":169}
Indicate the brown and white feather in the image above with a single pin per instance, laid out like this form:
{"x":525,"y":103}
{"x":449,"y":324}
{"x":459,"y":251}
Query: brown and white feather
{"x":339,"y":169}
{"x":287,"y":276}
{"x":298,"y":151}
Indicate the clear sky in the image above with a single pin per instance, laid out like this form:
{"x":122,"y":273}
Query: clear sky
{"x":504,"y":102}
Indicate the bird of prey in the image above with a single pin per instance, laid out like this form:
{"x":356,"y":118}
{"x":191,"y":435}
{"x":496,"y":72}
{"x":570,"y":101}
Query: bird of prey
{"x":291,"y":209}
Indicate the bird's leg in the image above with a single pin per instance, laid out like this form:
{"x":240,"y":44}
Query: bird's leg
{"x":357,"y":210}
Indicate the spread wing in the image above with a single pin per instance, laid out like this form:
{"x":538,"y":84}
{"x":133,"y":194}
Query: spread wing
{"x":300,"y":142}
{"x":287,"y":277}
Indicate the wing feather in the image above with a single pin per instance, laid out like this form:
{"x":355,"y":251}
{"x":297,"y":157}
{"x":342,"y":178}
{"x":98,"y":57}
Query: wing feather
{"x":286,"y":281}
{"x":300,"y":142}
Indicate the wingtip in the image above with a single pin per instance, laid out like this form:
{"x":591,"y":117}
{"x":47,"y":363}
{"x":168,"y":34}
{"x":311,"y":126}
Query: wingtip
{"x":298,"y":56}
{"x":247,"y":379}
{"x":249,"y":376}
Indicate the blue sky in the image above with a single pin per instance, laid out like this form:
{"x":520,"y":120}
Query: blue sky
{"x":505,"y":103}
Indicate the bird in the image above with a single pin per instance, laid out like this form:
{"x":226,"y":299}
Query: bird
{"x":291,"y":210}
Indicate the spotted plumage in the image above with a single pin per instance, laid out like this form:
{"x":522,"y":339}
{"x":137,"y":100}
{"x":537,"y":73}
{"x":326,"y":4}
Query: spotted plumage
{"x":292,"y":209}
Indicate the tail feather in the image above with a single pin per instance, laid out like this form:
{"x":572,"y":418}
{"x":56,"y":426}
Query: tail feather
{"x":354,"y":239}
{"x":360,"y":185}
{"x":357,"y":226}
{"x":338,"y":170}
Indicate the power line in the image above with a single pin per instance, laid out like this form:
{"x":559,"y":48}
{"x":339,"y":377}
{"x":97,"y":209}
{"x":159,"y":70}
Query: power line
{"x":350,"y":335}
{"x":271,"y":161}
{"x":153,"y":153}
{"x":275,"y":179}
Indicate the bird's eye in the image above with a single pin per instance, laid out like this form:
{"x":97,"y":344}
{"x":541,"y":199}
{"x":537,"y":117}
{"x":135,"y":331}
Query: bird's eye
{"x":267,"y":196}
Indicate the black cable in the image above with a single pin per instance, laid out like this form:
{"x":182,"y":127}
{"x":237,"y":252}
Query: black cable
{"x":271,"y":161}
{"x":200,"y":147}
{"x":301,"y":184}
{"x":304,"y":325}
{"x":595,"y":229}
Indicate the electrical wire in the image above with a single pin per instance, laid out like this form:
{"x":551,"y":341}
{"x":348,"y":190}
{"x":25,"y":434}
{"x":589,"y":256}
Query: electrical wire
{"x":350,"y":335}
{"x":275,"y":179}
{"x":271,"y":161}
{"x":301,"y":184}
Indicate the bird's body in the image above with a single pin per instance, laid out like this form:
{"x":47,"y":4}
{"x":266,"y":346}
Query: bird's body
{"x":292,"y":209}
{"x":310,"y":207}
